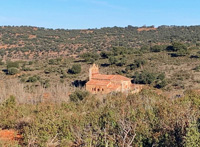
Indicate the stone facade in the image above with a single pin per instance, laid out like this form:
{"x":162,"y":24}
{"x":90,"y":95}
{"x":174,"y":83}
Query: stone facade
{"x":104,"y":84}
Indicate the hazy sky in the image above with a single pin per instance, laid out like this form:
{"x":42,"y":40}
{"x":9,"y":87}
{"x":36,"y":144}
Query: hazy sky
{"x":83,"y":14}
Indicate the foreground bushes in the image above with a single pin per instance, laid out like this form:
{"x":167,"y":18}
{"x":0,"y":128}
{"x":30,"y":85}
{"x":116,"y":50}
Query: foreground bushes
{"x":137,"y":120}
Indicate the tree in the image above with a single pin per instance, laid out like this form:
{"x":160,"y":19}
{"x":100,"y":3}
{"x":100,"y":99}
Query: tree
{"x":144,"y":48}
{"x":122,"y":62}
{"x":112,"y":60}
{"x":118,"y":51}
{"x":144,"y":77}
{"x":90,"y":57}
{"x":156,"y":48}
{"x":177,"y":46}
{"x":76,"y":69}
{"x":78,"y":95}
{"x":105,"y":54}
{"x":139,"y":62}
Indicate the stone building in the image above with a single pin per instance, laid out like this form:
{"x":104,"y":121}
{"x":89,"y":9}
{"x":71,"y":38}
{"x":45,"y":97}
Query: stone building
{"x":104,"y":84}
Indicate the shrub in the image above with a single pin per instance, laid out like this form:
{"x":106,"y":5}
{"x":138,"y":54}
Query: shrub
{"x":112,"y":60}
{"x":10,"y":102}
{"x":30,"y":62}
{"x":76,"y":69}
{"x":137,"y":64}
{"x":156,"y":48}
{"x":90,"y":57}
{"x":13,"y":71}
{"x":121,"y":62}
{"x":12,"y":64}
{"x":45,"y":83}
{"x":78,"y":95}
{"x":105,"y":54}
{"x":197,"y":68}
{"x":33,"y":79}
{"x":179,"y":48}
{"x":144,"y":48}
{"x":144,"y":77}
{"x":119,"y":51}
{"x":51,"y":61}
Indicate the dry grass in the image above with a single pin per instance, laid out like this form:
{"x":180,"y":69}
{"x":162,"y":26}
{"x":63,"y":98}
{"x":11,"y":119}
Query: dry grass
{"x":29,"y":94}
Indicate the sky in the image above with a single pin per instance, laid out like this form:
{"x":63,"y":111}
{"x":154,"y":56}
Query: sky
{"x":85,"y":14}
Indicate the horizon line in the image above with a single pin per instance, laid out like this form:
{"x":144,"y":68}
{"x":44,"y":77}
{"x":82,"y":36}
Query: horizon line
{"x":96,"y":28}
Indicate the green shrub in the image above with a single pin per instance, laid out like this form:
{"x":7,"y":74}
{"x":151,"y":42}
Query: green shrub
{"x":78,"y":95}
{"x":10,"y":102}
{"x":30,"y":62}
{"x":144,"y":77}
{"x":90,"y":57}
{"x":12,"y":64}
{"x":112,"y":60}
{"x":178,"y":48}
{"x":145,"y":48}
{"x":156,"y":48}
{"x":197,"y":68}
{"x":121,"y":62}
{"x":105,"y":54}
{"x":137,"y":64}
{"x":33,"y":79}
{"x":45,"y":83}
{"x":13,"y":71}
{"x":76,"y":69}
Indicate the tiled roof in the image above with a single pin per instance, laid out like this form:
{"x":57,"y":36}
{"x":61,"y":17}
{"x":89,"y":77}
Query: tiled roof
{"x":98,"y":82}
{"x":102,"y":77}
{"x":121,"y":78}
{"x":109,"y":77}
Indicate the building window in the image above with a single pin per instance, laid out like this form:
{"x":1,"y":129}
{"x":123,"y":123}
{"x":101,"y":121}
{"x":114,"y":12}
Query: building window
{"x":102,"y":89}
{"x":98,"y":89}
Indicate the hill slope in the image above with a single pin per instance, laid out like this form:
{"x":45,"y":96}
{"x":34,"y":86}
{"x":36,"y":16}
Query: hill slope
{"x":32,"y":42}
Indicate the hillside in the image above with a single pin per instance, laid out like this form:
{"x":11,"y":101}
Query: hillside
{"x":43,"y":101}
{"x":31,"y":42}
{"x":166,"y":57}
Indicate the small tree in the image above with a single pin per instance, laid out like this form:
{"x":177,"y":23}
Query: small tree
{"x":105,"y":54}
{"x":90,"y":57}
{"x":177,"y":46}
{"x":112,"y":60}
{"x":78,"y":95}
{"x":156,"y":48}
{"x":76,"y":69}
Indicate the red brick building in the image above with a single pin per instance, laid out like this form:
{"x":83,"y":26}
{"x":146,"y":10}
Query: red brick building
{"x":104,"y":84}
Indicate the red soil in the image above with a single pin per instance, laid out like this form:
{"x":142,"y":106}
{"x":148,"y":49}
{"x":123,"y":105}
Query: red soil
{"x":145,"y":29}
{"x":9,"y":135}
